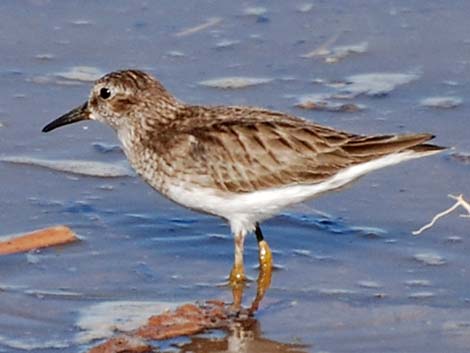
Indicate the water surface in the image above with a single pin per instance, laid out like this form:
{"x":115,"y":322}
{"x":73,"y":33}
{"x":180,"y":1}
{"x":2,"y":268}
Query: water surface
{"x":350,"y":278}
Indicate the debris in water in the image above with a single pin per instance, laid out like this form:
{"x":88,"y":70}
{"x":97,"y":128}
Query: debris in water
{"x":369,"y":284}
{"x":335,"y":54}
{"x":460,"y":201}
{"x":340,"y":52}
{"x":74,"y":76}
{"x":258,"y":12}
{"x":123,"y":344}
{"x":106,"y":187}
{"x":101,"y":320}
{"x":209,"y":23}
{"x":461,"y":157}
{"x":454,"y":239}
{"x":175,"y":54}
{"x":81,"y":73}
{"x":374,"y":84}
{"x":81,"y":167}
{"x":255,"y":11}
{"x":235,"y":82}
{"x":371,"y":84}
{"x":81,"y":22}
{"x":421,"y":295}
{"x":307,"y":7}
{"x":441,"y":102}
{"x":38,"y":293}
{"x":323,"y":48}
{"x":226,"y":43}
{"x":429,"y":258}
{"x":322,"y":102}
{"x":42,"y":238}
{"x":50,"y":79}
{"x":463,"y":326}
{"x":185,"y":320}
{"x":418,"y":283}
{"x":45,"y":56}
{"x":451,"y":83}
{"x":32,"y":344}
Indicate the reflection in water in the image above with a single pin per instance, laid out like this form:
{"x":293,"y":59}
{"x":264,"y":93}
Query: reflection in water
{"x":244,"y":333}
{"x":244,"y":336}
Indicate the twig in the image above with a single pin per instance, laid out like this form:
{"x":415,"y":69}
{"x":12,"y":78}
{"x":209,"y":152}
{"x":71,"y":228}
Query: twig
{"x":209,"y":23}
{"x":42,"y":238}
{"x":460,"y":202}
{"x":323,"y":48}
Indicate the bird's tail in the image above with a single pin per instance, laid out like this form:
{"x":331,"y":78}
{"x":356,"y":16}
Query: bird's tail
{"x":371,"y":147}
{"x":427,"y":149}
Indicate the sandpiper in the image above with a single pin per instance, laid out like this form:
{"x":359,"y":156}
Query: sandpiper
{"x":243,"y":164}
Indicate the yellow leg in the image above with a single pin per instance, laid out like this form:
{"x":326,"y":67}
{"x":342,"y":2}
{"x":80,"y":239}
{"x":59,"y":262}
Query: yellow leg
{"x":265,"y":258}
{"x":237,"y":275}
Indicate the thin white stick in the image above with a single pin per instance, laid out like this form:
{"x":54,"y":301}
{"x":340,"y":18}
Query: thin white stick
{"x":209,"y":23}
{"x":460,"y":202}
{"x":323,"y":49}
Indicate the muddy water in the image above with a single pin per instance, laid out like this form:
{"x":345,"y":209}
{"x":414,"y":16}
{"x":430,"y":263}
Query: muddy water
{"x":350,"y":276}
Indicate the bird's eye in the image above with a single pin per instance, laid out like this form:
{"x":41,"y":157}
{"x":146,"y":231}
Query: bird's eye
{"x":105,"y":93}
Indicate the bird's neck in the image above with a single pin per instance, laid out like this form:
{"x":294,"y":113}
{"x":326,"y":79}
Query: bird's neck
{"x":144,"y":159}
{"x":142,"y":135}
{"x":127,"y":136}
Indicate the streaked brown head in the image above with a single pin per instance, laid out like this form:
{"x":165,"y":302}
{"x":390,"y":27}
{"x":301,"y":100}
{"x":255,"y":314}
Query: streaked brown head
{"x":120,"y":98}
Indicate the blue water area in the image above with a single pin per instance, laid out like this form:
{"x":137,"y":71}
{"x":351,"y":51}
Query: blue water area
{"x":349,"y":276}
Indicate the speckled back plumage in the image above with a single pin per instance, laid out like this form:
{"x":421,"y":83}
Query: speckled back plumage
{"x":240,"y":149}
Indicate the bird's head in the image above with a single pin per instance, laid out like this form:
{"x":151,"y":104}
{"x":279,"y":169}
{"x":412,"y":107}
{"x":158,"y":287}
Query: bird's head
{"x":120,"y":99}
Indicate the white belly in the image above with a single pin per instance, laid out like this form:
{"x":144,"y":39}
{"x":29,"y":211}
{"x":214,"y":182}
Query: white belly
{"x":243,"y":210}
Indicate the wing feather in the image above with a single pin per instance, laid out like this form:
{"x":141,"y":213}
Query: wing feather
{"x":246,"y":150}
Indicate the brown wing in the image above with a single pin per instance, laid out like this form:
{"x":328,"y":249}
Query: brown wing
{"x":244,"y":155}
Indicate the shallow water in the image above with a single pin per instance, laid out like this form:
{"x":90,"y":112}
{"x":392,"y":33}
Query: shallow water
{"x":350,"y":278}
